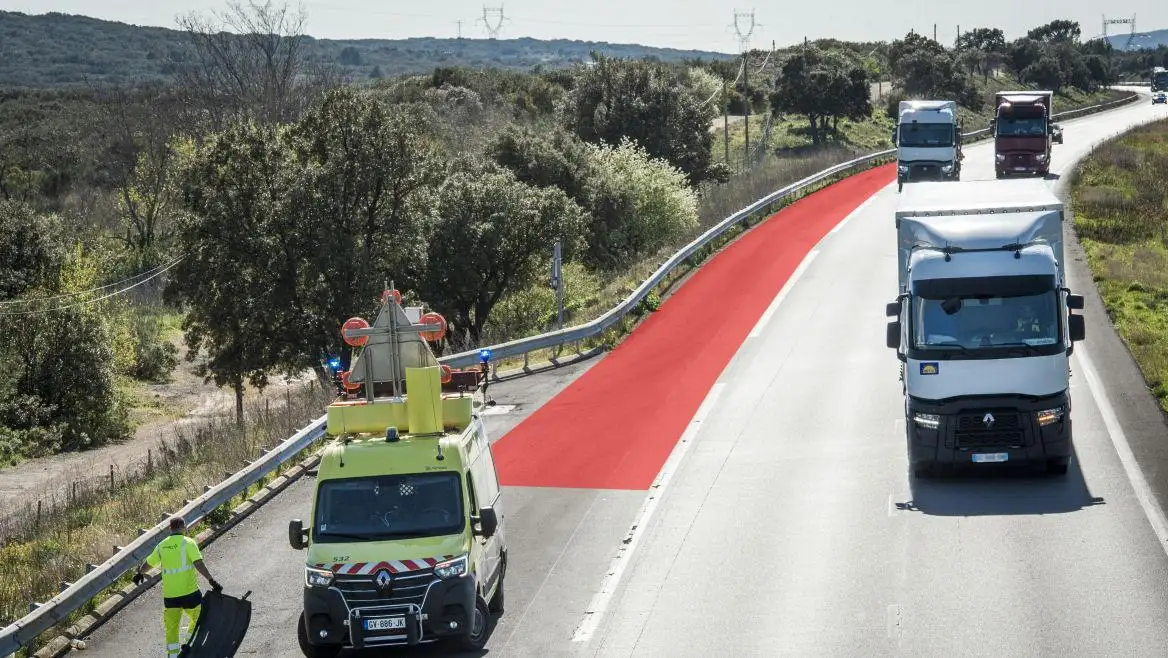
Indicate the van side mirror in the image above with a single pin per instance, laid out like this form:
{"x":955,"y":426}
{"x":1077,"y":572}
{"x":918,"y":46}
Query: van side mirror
{"x":1078,"y":327}
{"x":1075,"y":302}
{"x":488,"y":522}
{"x":297,"y":535}
{"x":892,"y":309}
{"x":892,"y":337}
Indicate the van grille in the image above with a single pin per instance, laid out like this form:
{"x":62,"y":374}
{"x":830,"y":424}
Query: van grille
{"x":409,"y":588}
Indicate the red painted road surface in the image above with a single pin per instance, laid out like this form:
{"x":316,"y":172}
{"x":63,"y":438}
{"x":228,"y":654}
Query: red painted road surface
{"x":614,"y":427}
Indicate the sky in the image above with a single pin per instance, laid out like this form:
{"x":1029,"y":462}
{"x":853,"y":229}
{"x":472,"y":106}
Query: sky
{"x":689,"y":24}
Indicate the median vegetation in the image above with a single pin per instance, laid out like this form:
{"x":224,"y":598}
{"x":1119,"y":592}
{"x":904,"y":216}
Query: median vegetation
{"x":1120,"y":201}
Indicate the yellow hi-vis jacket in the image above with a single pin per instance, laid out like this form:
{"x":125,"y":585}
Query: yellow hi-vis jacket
{"x":176,"y":555}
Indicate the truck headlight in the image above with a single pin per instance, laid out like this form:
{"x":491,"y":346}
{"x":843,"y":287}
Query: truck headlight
{"x":927,"y":421}
{"x":1001,"y":157}
{"x":947,"y":168}
{"x":317,"y":577}
{"x":452,"y":568}
{"x":1041,"y":157}
{"x":902,"y":168}
{"x":1048,"y":416}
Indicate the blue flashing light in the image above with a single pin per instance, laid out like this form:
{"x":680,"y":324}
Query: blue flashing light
{"x":334,"y":363}
{"x":485,"y":355}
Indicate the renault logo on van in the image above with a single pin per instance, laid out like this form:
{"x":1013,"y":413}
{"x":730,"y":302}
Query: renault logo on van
{"x":988,"y":420}
{"x":383,"y":581}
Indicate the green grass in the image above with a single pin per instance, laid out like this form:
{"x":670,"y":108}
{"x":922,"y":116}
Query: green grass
{"x":1119,"y":195}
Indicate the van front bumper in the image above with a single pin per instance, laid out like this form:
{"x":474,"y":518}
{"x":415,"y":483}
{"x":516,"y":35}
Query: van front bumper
{"x":332,"y":620}
{"x":964,"y":435}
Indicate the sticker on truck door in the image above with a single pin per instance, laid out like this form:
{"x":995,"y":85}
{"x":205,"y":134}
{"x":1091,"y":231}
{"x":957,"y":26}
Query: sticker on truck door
{"x":930,"y":367}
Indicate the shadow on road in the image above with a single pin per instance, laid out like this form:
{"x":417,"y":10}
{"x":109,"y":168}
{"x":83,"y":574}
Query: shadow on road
{"x":998,"y":491}
{"x":424,"y":650}
{"x":1052,"y":176}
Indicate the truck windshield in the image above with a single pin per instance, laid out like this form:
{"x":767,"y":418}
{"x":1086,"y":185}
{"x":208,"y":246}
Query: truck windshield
{"x":388,"y":507}
{"x":1011,"y":126}
{"x":917,"y":135}
{"x":978,"y":321}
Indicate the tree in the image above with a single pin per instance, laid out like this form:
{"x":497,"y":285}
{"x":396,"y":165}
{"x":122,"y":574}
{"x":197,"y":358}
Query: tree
{"x":541,"y":158}
{"x":638,"y":204}
{"x":1045,"y":73}
{"x":367,"y":173}
{"x":236,"y":186}
{"x":923,"y":68}
{"x":982,"y":49}
{"x":648,"y":102}
{"x":1058,"y":31}
{"x":249,"y":59}
{"x":1022,"y":53}
{"x":493,"y":235}
{"x":822,"y":86}
{"x":28,"y":258}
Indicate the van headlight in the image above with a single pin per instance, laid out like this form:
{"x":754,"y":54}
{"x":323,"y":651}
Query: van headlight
{"x":452,"y":568}
{"x":927,"y":421}
{"x":317,"y":577}
{"x":1048,"y":416}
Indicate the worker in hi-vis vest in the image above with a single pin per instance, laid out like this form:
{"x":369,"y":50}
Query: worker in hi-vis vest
{"x":179,"y":557}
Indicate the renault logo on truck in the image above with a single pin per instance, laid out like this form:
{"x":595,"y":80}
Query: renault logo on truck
{"x":383,"y":580}
{"x":988,"y":420}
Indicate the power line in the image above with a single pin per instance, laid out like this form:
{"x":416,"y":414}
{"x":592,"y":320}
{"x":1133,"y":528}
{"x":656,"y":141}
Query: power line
{"x":150,"y":272}
{"x":94,"y":301}
{"x":493,"y":19}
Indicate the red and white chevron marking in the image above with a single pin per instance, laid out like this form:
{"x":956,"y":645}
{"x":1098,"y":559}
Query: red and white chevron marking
{"x":394,"y":566}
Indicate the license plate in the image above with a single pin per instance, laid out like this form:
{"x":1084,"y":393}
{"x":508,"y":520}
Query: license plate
{"x":990,"y":457}
{"x":1019,"y":168}
{"x":385,"y":624}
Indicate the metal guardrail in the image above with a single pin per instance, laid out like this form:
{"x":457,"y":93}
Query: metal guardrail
{"x":46,"y":615}
{"x":55,"y":610}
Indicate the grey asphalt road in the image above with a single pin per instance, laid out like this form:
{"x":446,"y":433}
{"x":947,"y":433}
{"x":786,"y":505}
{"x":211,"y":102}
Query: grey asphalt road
{"x":793,"y":527}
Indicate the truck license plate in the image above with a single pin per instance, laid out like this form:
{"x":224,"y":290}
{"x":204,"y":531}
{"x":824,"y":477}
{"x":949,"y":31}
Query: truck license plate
{"x":1019,"y":168}
{"x":385,"y":624}
{"x":990,"y":457}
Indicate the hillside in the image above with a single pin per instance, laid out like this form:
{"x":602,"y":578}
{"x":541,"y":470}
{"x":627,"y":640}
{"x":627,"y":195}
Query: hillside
{"x":54,"y":50}
{"x":1141,"y":40}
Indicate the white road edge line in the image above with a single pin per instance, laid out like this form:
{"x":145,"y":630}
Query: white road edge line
{"x":616,"y":571}
{"x":774,"y":306}
{"x":1135,"y":474}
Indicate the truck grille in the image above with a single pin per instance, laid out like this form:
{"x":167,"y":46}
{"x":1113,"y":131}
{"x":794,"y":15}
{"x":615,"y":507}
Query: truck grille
{"x":409,"y":588}
{"x":971,"y":432}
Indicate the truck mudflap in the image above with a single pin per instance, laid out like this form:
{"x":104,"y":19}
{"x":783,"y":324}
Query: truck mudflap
{"x":223,"y":623}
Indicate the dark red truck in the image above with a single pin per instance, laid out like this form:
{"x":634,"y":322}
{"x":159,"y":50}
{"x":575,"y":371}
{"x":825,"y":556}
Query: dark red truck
{"x":1023,"y":133}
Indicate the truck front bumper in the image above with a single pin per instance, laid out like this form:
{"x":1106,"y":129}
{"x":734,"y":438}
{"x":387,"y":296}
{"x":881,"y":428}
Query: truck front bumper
{"x":983,"y":430}
{"x":926,"y":171}
{"x":445,"y":609}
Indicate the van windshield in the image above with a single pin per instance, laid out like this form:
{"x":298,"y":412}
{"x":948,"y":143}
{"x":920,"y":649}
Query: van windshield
{"x":389,"y":507}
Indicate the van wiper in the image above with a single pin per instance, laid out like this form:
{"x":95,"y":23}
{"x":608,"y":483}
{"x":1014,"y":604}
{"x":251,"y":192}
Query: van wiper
{"x":947,"y":345}
{"x":347,"y":535}
{"x":1026,"y":348}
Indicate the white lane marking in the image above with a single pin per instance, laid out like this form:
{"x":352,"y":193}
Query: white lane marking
{"x":774,"y":306}
{"x":893,"y":620}
{"x":806,"y":262}
{"x":616,"y":571}
{"x":891,"y":507}
{"x":1135,"y":474}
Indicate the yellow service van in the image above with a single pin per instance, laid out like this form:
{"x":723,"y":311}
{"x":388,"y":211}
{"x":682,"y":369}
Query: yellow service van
{"x":406,"y":544}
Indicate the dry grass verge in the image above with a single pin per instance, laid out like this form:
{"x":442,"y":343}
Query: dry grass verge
{"x":1119,"y":195}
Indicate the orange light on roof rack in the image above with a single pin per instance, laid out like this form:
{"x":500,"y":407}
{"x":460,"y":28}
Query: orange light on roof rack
{"x":386,"y":294}
{"x":353,"y":324}
{"x":447,"y":373}
{"x":434,"y":318}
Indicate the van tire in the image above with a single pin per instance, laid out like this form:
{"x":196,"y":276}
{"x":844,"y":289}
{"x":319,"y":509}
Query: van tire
{"x":477,"y":627}
{"x":312,"y":651}
{"x":496,"y":604}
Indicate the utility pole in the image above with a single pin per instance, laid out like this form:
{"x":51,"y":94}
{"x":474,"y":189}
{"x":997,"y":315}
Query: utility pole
{"x":558,"y":283}
{"x":726,"y":120}
{"x":459,"y":29}
{"x":744,"y":31}
{"x":934,"y":31}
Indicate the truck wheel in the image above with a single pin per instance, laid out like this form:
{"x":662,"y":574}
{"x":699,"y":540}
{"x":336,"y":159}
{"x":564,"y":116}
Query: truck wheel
{"x":476,"y":631}
{"x":899,"y":186}
{"x":999,"y":175}
{"x":924,"y":470}
{"x":312,"y":651}
{"x":1057,"y":466}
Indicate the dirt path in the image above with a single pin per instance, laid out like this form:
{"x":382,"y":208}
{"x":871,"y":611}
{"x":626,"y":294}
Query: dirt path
{"x":184,"y":401}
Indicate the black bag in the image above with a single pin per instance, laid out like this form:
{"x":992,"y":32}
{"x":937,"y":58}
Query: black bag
{"x":223,"y":623}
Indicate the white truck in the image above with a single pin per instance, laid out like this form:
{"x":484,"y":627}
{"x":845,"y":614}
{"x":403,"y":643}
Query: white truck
{"x":928,"y":141}
{"x":983,"y":326}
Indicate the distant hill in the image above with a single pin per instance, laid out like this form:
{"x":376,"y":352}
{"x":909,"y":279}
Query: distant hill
{"x":1140,"y":40}
{"x":54,"y":50}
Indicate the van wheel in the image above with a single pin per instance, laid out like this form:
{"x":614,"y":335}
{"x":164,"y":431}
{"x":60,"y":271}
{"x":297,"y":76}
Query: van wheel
{"x":476,"y":632}
{"x":312,"y":651}
{"x":496,"y":604}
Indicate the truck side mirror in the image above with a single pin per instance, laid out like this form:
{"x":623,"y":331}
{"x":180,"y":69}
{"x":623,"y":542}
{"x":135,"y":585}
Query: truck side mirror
{"x":297,"y":535}
{"x":892,"y":335}
{"x":488,"y":522}
{"x":1078,"y":327}
{"x":892,"y":309}
{"x":1075,"y":302}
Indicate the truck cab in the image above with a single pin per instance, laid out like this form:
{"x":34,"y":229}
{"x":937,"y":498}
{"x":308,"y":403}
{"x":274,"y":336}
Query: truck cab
{"x":406,"y":542}
{"x":928,"y":141}
{"x":982,"y":325}
{"x":1023,"y":133}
